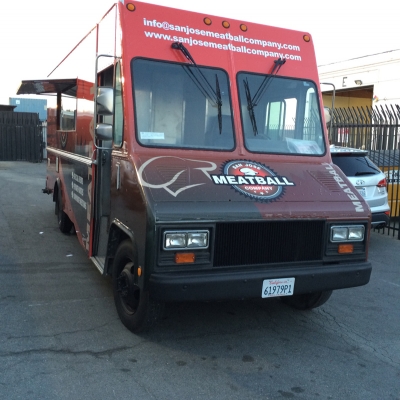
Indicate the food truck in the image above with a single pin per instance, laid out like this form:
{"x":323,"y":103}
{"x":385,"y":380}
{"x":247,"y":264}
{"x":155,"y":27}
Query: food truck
{"x":189,"y":154}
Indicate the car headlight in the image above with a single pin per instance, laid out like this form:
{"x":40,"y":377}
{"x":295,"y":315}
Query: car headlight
{"x":350,"y":233}
{"x":180,"y":240}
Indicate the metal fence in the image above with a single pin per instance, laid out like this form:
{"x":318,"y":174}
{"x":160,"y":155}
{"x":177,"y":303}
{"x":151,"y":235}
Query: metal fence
{"x":376,"y":129}
{"x":20,"y":137}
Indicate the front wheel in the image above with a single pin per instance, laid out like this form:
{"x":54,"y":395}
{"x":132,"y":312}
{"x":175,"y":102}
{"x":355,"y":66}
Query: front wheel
{"x":136,"y":309}
{"x":307,"y":301}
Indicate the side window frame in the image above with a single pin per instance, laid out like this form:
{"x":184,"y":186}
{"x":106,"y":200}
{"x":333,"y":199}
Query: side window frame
{"x":118,"y":131}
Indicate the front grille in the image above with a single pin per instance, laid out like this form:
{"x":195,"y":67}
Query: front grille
{"x":269,"y":242}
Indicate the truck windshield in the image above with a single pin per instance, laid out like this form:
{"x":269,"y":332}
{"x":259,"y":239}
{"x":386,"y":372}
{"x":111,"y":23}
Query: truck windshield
{"x":285,"y":119}
{"x":177,"y":106}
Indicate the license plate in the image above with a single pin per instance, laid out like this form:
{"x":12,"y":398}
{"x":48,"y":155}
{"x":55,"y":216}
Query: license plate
{"x":277,"y":287}
{"x":362,"y":191}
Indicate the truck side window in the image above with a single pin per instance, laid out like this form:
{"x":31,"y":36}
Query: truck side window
{"x":275,"y":118}
{"x":68,"y":113}
{"x":280,"y":119}
{"x":311,"y":115}
{"x":118,"y":108}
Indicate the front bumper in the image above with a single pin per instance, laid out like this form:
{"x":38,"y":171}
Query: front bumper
{"x":379,"y":220}
{"x":223,"y":285}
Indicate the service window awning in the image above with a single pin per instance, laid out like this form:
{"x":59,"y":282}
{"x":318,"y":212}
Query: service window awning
{"x":70,"y":87}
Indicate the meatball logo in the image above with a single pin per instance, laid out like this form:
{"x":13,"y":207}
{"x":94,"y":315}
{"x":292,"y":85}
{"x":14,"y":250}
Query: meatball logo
{"x":253,"y":180}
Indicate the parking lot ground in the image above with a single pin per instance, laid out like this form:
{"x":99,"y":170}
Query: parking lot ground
{"x":60,"y":336}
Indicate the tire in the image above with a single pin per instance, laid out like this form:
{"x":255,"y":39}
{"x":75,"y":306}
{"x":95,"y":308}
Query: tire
{"x":136,"y":309}
{"x":56,"y":206}
{"x":64,"y":223}
{"x":307,"y":301}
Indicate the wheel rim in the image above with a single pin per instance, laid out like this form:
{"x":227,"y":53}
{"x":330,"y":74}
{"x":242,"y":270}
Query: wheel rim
{"x":128,"y":291}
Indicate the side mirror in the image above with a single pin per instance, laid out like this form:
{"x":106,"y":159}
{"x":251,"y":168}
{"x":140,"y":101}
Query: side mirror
{"x":105,"y":101}
{"x":104,"y":106}
{"x":104,"y":131}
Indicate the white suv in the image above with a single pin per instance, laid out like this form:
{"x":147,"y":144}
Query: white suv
{"x":367,"y":178}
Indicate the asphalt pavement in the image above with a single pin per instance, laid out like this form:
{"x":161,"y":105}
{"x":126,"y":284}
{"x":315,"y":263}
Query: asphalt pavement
{"x":60,"y":336}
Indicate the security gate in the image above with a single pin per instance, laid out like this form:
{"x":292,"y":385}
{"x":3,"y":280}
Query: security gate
{"x":20,"y":137}
{"x":376,"y":129}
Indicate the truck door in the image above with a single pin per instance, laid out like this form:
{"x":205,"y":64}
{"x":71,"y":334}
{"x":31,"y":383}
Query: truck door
{"x":104,"y":117}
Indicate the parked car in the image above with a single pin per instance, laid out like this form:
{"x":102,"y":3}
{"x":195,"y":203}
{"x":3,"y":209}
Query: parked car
{"x":367,"y":178}
{"x":389,"y":163}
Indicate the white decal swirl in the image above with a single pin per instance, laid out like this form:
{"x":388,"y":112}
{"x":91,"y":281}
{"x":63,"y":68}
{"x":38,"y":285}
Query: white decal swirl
{"x":212,"y":166}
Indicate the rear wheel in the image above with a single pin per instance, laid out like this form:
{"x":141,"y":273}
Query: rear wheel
{"x":307,"y":301}
{"x":64,"y":223}
{"x":136,"y":309}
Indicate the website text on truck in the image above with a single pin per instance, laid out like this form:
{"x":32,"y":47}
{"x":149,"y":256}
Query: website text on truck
{"x":188,"y":152}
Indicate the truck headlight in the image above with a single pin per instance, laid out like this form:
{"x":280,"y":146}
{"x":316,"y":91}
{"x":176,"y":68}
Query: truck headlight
{"x":349,"y":233}
{"x":197,"y":239}
{"x":174,"y":240}
{"x":180,"y":240}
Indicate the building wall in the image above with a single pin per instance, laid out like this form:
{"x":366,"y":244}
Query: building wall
{"x":38,"y":106}
{"x":346,"y":101}
{"x":377,"y":73}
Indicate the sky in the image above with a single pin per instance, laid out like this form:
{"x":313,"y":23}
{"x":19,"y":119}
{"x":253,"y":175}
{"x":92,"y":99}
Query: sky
{"x":36,"y":35}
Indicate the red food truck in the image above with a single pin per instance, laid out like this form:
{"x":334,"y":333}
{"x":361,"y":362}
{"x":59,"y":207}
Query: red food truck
{"x":189,"y":153}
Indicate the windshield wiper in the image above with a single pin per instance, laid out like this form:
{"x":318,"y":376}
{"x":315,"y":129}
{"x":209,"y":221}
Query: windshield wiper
{"x":253,"y":102}
{"x":207,"y":90}
{"x":250,"y":106}
{"x":219,"y":103}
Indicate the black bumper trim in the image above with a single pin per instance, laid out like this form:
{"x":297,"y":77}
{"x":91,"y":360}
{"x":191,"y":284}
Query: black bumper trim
{"x":217,"y":285}
{"x":379,"y":219}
